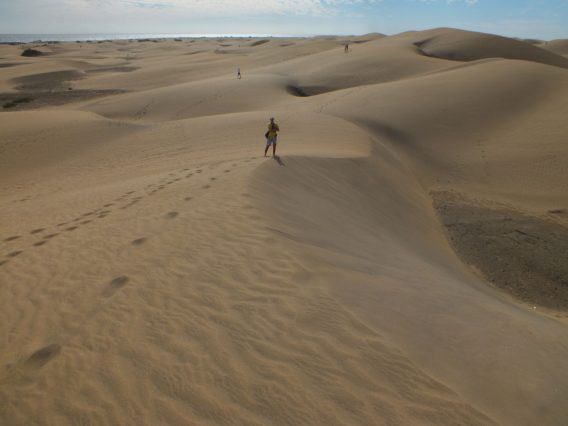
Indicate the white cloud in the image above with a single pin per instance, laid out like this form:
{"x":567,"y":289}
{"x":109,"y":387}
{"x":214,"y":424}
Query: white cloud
{"x":230,"y":7}
{"x":470,"y":2}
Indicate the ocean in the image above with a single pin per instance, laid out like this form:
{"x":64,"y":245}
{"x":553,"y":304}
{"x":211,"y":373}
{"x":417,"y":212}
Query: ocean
{"x":31,"y":38}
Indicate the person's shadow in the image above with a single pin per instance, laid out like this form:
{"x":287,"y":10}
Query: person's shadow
{"x":279,"y":160}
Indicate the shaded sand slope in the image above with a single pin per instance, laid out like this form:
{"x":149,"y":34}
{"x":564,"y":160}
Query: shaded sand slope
{"x":156,"y":269}
{"x":392,"y":264}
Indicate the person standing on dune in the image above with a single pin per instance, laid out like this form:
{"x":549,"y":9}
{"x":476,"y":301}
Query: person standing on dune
{"x":271,"y":136}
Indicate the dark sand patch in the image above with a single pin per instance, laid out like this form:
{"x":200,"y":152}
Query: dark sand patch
{"x":305,"y":91}
{"x":113,"y":69}
{"x":50,"y":88}
{"x":296,"y":91}
{"x":230,"y":52}
{"x":46,"y":81}
{"x":115,"y":285}
{"x":42,"y":356}
{"x":523,"y":255}
{"x":139,"y":241}
{"x":31,"y":53}
{"x":40,"y":99}
{"x":17,"y":101}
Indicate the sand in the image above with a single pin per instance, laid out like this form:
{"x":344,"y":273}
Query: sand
{"x":399,"y":263}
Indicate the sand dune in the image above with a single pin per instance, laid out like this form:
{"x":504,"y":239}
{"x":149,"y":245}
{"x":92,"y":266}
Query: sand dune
{"x":560,"y":47}
{"x":469,"y":46}
{"x":400,"y":262}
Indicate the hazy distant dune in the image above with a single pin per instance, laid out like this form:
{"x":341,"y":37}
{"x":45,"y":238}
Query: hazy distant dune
{"x":560,"y":46}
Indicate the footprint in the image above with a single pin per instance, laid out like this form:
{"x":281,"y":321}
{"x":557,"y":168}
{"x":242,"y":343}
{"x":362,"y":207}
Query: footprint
{"x":42,"y":356}
{"x":85,"y":222}
{"x":40,"y":243}
{"x":15,"y":237}
{"x":188,"y":175}
{"x":14,"y":253}
{"x":213,"y":178}
{"x":47,"y":237}
{"x":37,"y":231}
{"x":88,"y":214}
{"x":139,"y":241}
{"x":206,"y":187}
{"x":188,"y":198}
{"x":71,"y":228}
{"x":198,"y":171}
{"x":171,"y":215}
{"x":115,"y":285}
{"x":108,"y":205}
{"x":227,"y":171}
{"x":62,"y":224}
{"x":2,"y":262}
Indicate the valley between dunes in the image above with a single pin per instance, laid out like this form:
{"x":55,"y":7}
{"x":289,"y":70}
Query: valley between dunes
{"x":403,"y":261}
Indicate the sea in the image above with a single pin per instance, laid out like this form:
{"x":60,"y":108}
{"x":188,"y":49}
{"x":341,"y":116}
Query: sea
{"x":32,"y":38}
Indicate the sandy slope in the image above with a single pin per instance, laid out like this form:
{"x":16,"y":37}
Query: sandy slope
{"x":559,"y":47}
{"x":156,"y":269}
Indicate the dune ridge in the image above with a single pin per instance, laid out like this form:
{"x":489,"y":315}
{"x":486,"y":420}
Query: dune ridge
{"x":155,"y":268}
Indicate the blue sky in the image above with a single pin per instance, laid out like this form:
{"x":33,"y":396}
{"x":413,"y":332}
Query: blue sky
{"x":545,"y":19}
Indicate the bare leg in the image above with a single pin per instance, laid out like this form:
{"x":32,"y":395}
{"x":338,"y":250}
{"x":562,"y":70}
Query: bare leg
{"x":266,"y":149}
{"x":274,"y":150}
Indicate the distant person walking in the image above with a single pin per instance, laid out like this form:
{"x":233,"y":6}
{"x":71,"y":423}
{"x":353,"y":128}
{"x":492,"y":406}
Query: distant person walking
{"x":239,"y":73}
{"x":271,"y":136}
{"x":346,"y":47}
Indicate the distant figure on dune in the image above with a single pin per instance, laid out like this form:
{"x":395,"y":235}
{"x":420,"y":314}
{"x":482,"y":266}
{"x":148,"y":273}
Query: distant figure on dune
{"x":346,"y":47}
{"x":271,"y":136}
{"x":239,"y":73}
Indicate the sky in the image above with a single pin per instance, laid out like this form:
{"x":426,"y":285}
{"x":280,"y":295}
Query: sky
{"x":541,"y":19}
